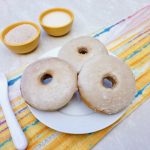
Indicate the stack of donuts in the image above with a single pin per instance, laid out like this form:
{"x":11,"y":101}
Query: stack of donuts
{"x":105,"y":83}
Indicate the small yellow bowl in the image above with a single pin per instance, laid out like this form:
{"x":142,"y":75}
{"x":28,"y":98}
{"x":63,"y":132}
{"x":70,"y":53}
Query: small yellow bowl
{"x":23,"y":47}
{"x":57,"y":31}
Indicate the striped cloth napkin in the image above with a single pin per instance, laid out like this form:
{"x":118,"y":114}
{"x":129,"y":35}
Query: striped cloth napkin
{"x":129,"y":39}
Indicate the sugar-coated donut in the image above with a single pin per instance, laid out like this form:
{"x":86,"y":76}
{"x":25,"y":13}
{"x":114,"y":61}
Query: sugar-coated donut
{"x":48,"y":84}
{"x":79,"y":50}
{"x":106,"y":84}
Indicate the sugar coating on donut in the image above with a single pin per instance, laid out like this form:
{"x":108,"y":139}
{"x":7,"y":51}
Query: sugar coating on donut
{"x":79,"y":50}
{"x":106,"y":84}
{"x":48,"y":84}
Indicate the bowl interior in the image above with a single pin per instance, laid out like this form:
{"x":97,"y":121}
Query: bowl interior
{"x":56,"y":10}
{"x":12,"y":26}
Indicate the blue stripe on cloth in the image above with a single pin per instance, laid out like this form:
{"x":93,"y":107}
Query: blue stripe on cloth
{"x":12,"y":81}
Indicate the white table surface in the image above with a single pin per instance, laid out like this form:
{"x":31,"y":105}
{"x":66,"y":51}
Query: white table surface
{"x":90,"y":15}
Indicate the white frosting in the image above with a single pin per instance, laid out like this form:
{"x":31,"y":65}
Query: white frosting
{"x":54,"y":95}
{"x":70,"y":51}
{"x":56,"y":19}
{"x":100,"y":98}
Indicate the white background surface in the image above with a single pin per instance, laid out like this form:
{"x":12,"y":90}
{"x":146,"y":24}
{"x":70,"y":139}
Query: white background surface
{"x":90,"y":15}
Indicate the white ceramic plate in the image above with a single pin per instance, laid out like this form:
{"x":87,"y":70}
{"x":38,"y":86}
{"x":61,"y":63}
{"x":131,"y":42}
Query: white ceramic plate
{"x":76,"y":117}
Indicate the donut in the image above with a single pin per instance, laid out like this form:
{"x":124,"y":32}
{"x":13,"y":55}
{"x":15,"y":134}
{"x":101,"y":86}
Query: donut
{"x":48,"y":84}
{"x":79,"y":50}
{"x":106,"y":84}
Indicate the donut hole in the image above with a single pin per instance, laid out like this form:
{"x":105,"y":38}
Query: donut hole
{"x":46,"y":78}
{"x":82,"y":50}
{"x":109,"y":81}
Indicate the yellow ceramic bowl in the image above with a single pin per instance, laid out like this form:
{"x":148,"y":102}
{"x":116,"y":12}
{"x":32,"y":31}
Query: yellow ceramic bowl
{"x":23,"y":47}
{"x":57,"y":31}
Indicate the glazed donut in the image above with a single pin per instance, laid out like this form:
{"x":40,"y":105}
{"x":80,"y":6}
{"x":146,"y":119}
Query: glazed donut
{"x":48,"y":84}
{"x":106,"y":84}
{"x":79,"y":50}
